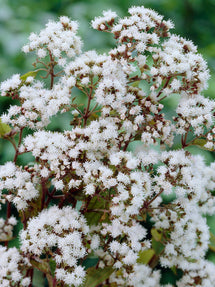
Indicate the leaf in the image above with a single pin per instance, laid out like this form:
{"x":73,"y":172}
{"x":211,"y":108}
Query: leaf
{"x":52,"y":265}
{"x":157,"y":246}
{"x":44,"y":267}
{"x":15,"y":241}
{"x":38,"y":279}
{"x":92,"y":217}
{"x":29,"y":74}
{"x":4,"y":129}
{"x":212,"y":242}
{"x":174,"y":270}
{"x":201,"y":144}
{"x":135,"y":84}
{"x":41,"y":265}
{"x":156,"y":234}
{"x":95,"y":276}
{"x":145,"y":256}
{"x":90,"y":262}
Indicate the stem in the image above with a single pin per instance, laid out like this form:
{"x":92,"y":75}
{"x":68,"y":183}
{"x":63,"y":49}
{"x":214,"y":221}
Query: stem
{"x":183,"y":140}
{"x":24,"y":220}
{"x":44,"y":192}
{"x":50,"y":196}
{"x":127,"y":143}
{"x":54,"y":282}
{"x":31,"y":274}
{"x":158,"y":194}
{"x":51,"y":70}
{"x":61,"y":203}
{"x":160,"y":92}
{"x":86,"y":115}
{"x":93,"y":109}
{"x":78,"y":110}
{"x":99,"y":210}
{"x":19,"y":143}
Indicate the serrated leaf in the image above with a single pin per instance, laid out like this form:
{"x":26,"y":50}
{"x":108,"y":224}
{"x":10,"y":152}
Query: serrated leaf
{"x":4,"y":129}
{"x":95,"y":276}
{"x":145,"y":256}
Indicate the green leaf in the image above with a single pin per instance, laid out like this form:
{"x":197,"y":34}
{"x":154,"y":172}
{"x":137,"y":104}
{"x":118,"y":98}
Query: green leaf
{"x":38,"y":279}
{"x":41,"y":265}
{"x":92,"y":217}
{"x":212,"y":242}
{"x":145,"y":256}
{"x":135,"y":84}
{"x":4,"y":129}
{"x":174,"y":269}
{"x":95,"y":276}
{"x":15,"y":241}
{"x":156,"y":234}
{"x":52,"y":265}
{"x":201,"y":144}
{"x":157,"y":246}
{"x":29,"y":74}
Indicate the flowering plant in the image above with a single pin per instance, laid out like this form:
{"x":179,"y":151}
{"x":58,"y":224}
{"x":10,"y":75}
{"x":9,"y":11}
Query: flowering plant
{"x":89,"y":195}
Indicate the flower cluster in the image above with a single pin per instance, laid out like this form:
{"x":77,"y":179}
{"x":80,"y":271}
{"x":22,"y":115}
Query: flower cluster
{"x":97,"y":192}
{"x":57,"y":38}
{"x":6,"y":228}
{"x":20,"y":183}
{"x":63,"y":229}
{"x":11,"y":265}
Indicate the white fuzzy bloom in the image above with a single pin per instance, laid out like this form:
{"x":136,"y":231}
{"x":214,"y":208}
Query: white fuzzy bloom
{"x":108,"y":17}
{"x":19,"y":182}
{"x":11,"y":263}
{"x":45,"y":231}
{"x":10,"y":84}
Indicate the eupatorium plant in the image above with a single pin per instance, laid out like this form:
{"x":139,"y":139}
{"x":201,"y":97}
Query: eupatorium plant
{"x":93,"y":208}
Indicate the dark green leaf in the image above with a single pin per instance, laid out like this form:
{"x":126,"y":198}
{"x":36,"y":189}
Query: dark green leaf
{"x":97,"y":276}
{"x":92,"y":217}
{"x":157,"y":246}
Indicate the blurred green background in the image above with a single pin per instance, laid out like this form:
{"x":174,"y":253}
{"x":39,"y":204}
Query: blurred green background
{"x":194,"y":19}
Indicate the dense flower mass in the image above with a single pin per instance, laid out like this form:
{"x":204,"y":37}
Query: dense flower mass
{"x":120,"y":188}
